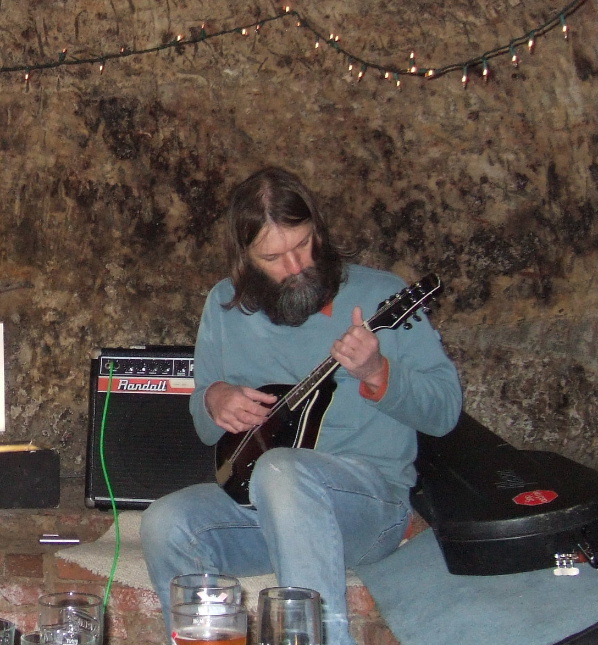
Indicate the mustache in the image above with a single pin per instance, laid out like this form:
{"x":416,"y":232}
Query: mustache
{"x":299,"y":279}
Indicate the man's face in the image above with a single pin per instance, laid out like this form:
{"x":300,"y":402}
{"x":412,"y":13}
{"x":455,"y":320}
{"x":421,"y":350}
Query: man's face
{"x":283,"y":278}
{"x":282,"y":252}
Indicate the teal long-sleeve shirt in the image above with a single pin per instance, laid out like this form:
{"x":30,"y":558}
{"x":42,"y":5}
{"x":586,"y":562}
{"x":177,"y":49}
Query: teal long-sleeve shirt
{"x":423,"y":394}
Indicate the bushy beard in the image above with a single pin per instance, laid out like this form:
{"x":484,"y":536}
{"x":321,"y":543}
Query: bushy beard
{"x":297,"y":297}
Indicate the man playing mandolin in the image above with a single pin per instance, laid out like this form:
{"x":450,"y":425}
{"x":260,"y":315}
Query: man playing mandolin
{"x":359,"y":381}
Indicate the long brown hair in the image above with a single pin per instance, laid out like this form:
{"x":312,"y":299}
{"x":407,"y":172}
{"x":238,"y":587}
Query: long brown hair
{"x":270,"y":196}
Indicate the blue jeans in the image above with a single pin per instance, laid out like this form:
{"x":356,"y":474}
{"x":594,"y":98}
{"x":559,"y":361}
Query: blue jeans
{"x":315,"y":514}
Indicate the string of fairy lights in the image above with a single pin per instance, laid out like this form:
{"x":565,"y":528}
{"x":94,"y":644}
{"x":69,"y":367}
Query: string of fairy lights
{"x":355,"y":64}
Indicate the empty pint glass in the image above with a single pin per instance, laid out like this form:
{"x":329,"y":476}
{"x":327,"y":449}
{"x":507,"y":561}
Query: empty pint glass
{"x":71,"y":617}
{"x":289,"y":616}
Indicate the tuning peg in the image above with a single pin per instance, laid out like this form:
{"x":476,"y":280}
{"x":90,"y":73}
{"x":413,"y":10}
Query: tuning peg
{"x":407,"y":325}
{"x":416,"y":317}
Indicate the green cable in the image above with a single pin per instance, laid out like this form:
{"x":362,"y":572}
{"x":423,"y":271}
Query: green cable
{"x":109,"y":486}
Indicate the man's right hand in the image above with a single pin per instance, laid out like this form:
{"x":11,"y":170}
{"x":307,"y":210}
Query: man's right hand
{"x":236,"y":408}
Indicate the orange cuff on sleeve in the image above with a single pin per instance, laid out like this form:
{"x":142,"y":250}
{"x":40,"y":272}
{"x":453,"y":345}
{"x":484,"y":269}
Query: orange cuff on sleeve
{"x":367,"y":393}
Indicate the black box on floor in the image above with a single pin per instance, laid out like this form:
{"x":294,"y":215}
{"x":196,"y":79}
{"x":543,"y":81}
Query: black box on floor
{"x":29,"y":479}
{"x":498,"y":510}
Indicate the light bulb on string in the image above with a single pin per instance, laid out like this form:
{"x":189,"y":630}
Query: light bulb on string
{"x":317,"y":43}
{"x":27,"y":78}
{"x":531,"y":42}
{"x":397,"y":79}
{"x":361,"y":72}
{"x":564,"y":27}
{"x":62,"y":55}
{"x":485,"y":70}
{"x":430,"y":73}
{"x":102,"y":66}
{"x":514,"y":57}
{"x":287,"y":9}
{"x":465,"y":76}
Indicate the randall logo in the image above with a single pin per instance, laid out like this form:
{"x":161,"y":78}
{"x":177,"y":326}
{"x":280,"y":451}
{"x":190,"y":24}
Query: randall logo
{"x":151,"y":385}
{"x":182,"y":386}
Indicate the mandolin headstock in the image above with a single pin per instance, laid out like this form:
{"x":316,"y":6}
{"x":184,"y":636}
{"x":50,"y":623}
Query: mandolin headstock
{"x":397,"y":309}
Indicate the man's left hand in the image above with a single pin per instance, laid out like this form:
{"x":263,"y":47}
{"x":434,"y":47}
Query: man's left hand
{"x":358,"y":351}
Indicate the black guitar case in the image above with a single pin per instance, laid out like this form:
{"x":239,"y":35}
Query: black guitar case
{"x":497,"y":510}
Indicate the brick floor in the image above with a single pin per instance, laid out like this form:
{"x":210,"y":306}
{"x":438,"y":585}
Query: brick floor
{"x":133,"y":615}
{"x":28,"y":570}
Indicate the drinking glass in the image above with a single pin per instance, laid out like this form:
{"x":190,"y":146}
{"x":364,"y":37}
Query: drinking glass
{"x":70,"y":617}
{"x":213,"y":623}
{"x":289,"y":616}
{"x":7,"y":632}
{"x":204,"y":587}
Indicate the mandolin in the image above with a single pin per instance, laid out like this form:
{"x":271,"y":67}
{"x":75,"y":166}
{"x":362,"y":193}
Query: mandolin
{"x":295,"y":419}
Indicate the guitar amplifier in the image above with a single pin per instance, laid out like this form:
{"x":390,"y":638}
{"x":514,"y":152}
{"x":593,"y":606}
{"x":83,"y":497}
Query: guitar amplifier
{"x":497,"y":510}
{"x":143,"y":428}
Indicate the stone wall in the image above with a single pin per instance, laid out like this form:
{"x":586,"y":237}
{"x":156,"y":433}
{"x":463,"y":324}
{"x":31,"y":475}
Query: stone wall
{"x":113,"y":185}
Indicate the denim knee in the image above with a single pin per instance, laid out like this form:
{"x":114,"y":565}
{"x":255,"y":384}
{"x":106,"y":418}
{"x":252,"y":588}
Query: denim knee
{"x":273,"y":467}
{"x":160,"y":524}
{"x":283,"y":477}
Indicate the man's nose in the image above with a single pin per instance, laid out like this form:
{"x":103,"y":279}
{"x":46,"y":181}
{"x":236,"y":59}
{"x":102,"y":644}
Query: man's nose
{"x":293,"y":263}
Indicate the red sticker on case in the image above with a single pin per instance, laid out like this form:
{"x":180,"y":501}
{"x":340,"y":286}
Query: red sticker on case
{"x":535,"y":497}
